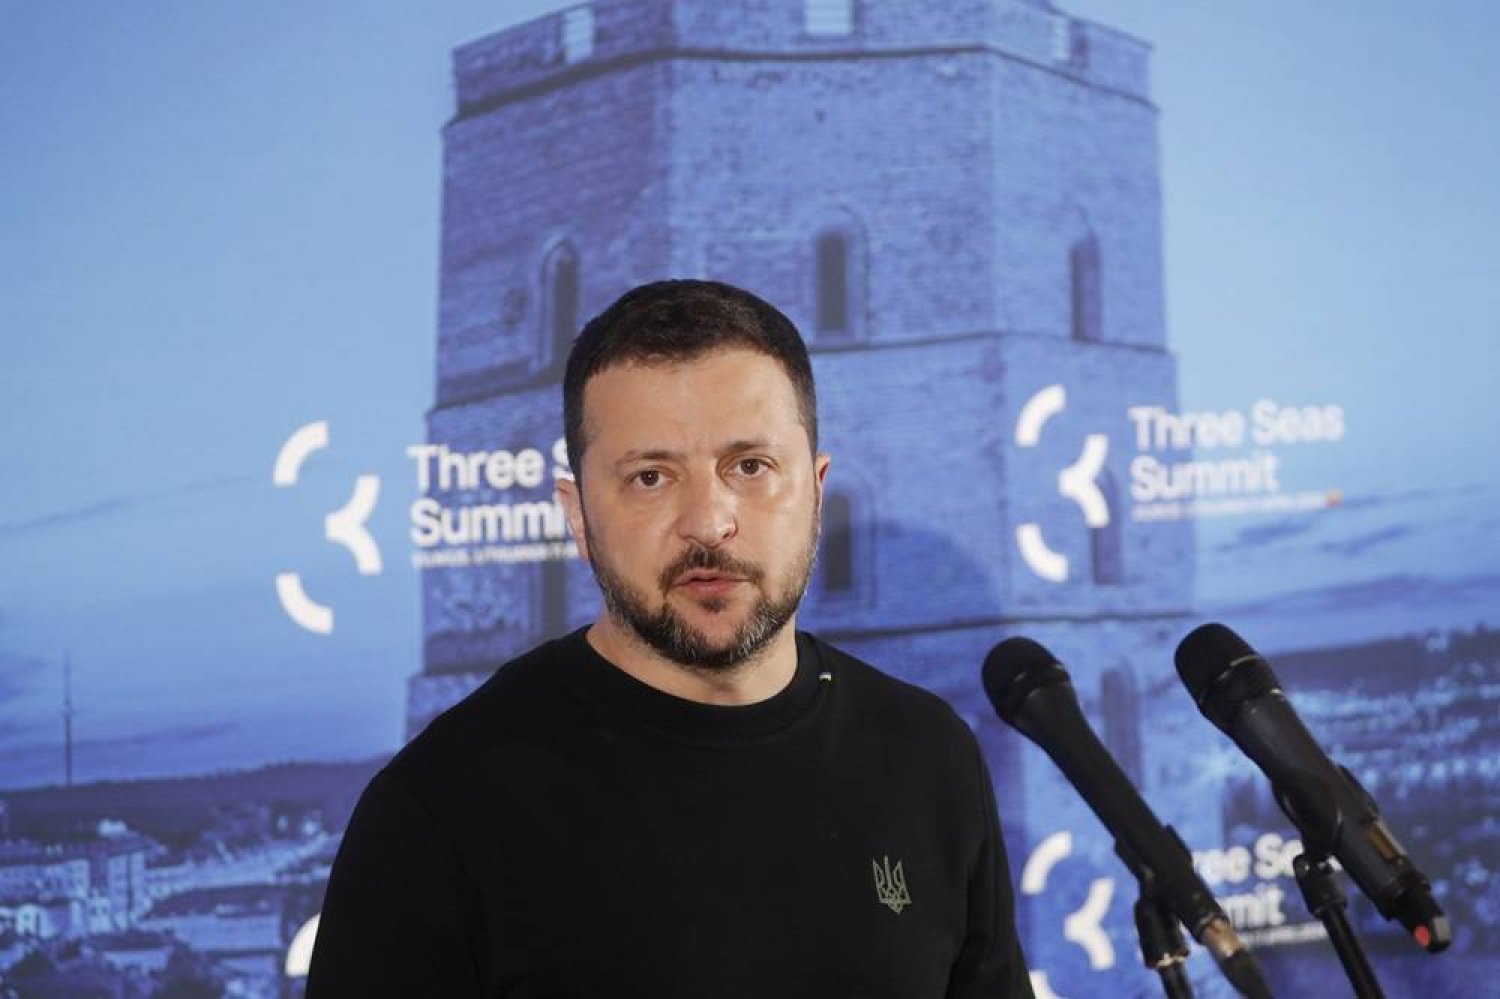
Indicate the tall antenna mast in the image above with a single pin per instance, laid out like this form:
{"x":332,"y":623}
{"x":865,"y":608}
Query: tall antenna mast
{"x":68,"y":721}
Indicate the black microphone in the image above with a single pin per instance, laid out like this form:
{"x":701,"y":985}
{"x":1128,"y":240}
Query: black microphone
{"x":1236,"y":690}
{"x":1031,"y":691}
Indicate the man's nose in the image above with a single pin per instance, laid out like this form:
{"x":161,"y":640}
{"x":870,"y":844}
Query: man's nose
{"x":709,"y":513}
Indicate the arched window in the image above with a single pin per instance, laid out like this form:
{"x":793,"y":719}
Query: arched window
{"x":560,"y":294}
{"x":1104,"y":542}
{"x":1122,"y":719}
{"x":837,"y":278}
{"x":838,"y":544}
{"x":554,"y":597}
{"x":1083,"y":270}
{"x":833,"y":289}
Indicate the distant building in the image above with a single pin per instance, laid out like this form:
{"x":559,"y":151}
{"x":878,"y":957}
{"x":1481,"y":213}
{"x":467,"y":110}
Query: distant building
{"x":36,"y":870}
{"x":959,"y":205}
{"x":76,"y":888}
{"x":143,"y":953}
{"x":245,"y":928}
{"x":117,"y":870}
{"x":166,"y":875}
{"x":46,"y":917}
{"x":238,"y":919}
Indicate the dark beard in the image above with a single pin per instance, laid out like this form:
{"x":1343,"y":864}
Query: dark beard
{"x":684,"y":645}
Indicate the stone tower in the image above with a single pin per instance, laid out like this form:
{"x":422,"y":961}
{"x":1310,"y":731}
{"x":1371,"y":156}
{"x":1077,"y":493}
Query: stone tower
{"x":958,"y":203}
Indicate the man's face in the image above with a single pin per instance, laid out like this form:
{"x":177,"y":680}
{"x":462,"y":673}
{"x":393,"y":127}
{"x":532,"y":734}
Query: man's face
{"x":699,"y":505}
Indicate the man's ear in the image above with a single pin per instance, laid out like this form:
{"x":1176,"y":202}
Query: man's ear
{"x":820,"y":470}
{"x":572,"y":503}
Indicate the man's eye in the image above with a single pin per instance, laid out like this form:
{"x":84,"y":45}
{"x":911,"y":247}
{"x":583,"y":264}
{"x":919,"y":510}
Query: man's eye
{"x":649,"y":478}
{"x":752,"y":466}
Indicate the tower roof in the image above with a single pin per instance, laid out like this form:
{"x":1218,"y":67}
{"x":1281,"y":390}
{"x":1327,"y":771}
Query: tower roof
{"x":593,"y":38}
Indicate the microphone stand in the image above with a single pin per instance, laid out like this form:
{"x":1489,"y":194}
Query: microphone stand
{"x":1325,"y":899}
{"x":1162,"y":944}
{"x":1315,"y":813}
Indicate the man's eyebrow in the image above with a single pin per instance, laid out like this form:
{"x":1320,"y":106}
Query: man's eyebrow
{"x":649,"y":454}
{"x":748,"y":444}
{"x":664,"y":454}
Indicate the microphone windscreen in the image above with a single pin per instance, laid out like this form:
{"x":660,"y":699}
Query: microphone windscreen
{"x":1015,"y":668}
{"x":1206,"y":653}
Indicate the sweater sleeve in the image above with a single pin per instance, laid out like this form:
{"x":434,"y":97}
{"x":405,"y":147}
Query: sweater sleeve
{"x":401,"y":918}
{"x":990,"y":965}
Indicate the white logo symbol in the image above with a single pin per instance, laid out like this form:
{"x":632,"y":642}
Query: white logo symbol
{"x":1076,"y":482}
{"x":890,"y":884}
{"x":299,"y":952}
{"x":345,"y":526}
{"x":1082,"y":926}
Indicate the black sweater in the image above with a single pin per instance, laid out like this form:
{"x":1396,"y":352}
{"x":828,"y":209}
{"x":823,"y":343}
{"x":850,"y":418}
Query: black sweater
{"x":568,"y":831}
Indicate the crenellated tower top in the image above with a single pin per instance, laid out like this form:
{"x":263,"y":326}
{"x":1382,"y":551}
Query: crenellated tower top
{"x":592,"y":38}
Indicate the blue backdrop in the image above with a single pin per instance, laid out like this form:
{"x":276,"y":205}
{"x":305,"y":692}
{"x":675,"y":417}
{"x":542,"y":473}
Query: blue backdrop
{"x":1124,"y":318}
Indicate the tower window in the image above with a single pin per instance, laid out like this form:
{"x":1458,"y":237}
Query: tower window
{"x":828,"y":17}
{"x":554,"y":597}
{"x":578,"y":33}
{"x":1104,"y":542}
{"x":1121,"y":702}
{"x":833,"y":283}
{"x":560,"y":293}
{"x":1083,"y":270}
{"x":1069,"y":44}
{"x":838,"y":544}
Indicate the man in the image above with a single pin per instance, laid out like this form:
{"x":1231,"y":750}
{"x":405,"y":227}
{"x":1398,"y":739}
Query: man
{"x":688,"y":798}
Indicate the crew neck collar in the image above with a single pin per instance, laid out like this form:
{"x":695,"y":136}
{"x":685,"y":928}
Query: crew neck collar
{"x":601,"y":680}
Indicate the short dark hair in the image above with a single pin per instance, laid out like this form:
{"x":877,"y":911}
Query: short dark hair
{"x":681,"y":320}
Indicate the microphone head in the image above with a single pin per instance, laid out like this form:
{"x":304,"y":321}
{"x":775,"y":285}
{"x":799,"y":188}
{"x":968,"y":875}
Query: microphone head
{"x":1207,"y":651}
{"x":1221,"y":671}
{"x":1015,"y":668}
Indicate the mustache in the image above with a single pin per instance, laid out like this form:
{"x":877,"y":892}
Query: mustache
{"x":711,"y":560}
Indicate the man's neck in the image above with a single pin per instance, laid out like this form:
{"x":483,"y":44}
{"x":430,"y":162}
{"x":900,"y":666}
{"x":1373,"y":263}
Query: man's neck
{"x":757,"y":679}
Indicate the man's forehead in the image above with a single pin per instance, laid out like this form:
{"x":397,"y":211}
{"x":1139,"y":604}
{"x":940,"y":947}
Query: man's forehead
{"x":645,"y":380}
{"x":737,"y":354}
{"x":731,"y":393}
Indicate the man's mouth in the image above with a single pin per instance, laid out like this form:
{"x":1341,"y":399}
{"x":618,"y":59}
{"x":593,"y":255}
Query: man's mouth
{"x":708,"y":582}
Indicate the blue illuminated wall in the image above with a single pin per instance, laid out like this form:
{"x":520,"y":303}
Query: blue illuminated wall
{"x":282,"y":517}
